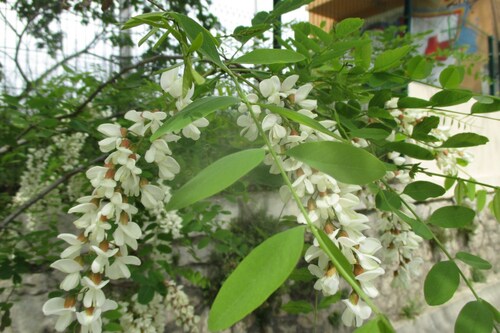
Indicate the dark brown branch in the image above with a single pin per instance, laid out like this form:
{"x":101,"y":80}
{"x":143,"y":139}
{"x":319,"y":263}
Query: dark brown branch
{"x":111,"y":80}
{"x":47,"y":190}
{"x":90,"y":98}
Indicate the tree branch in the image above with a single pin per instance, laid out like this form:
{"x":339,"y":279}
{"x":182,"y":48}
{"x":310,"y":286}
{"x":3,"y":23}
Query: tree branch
{"x":47,"y":190}
{"x":80,"y":108}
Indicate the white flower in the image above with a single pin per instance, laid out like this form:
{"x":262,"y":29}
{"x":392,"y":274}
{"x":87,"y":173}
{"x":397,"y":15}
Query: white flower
{"x":155,"y":119}
{"x":272,"y":123}
{"x":270,"y":88}
{"x":114,"y":137}
{"x":192,"y":131}
{"x":171,"y":82}
{"x":301,"y":95}
{"x":168,"y":167}
{"x":127,"y":233}
{"x":89,"y":210}
{"x":366,"y":279}
{"x":102,"y":259}
{"x":118,"y":269}
{"x":181,"y":103}
{"x":90,"y":318}
{"x":64,"y":308}
{"x":75,"y":242}
{"x":138,"y":126}
{"x":94,"y":296}
{"x":151,"y":195}
{"x":356,"y":312}
{"x":97,"y":230}
{"x":328,"y":278}
{"x":158,"y":148}
{"x":70,"y":267}
{"x":249,"y":130}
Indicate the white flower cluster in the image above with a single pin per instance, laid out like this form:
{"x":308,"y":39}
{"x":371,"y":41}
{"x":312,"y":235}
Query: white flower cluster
{"x":143,"y":318}
{"x":448,"y":159}
{"x":34,"y":179}
{"x":178,"y":302}
{"x":330,"y":204}
{"x":100,"y":252}
{"x":168,"y":221}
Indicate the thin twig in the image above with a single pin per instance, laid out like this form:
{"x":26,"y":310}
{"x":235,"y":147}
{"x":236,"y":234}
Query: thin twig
{"x":47,"y":190}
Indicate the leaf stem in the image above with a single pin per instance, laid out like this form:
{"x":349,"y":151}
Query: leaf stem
{"x":353,"y":283}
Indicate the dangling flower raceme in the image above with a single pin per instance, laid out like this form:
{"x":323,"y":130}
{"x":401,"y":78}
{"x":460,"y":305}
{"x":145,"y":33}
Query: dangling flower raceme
{"x":107,"y":227}
{"x":331,"y":205}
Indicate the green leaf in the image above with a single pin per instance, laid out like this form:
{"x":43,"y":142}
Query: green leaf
{"x":451,"y":77}
{"x":199,"y":108}
{"x":380,"y":98}
{"x":441,"y":283}
{"x":348,"y":26}
{"x":471,"y":190}
{"x":298,"y":117}
{"x":145,"y":294}
{"x":196,"y":44}
{"x":465,"y":140}
{"x":452,"y":217}
{"x":412,"y":103}
{"x":493,"y":310}
{"x":450,"y":97}
{"x":270,"y":56}
{"x":193,"y":29}
{"x":244,"y":34}
{"x":329,"y":300}
{"x":479,"y":107}
{"x":481,"y":199}
{"x":495,"y":205}
{"x":334,"y":253}
{"x":370,"y":133}
{"x":418,"y":67}
{"x":113,"y":327}
{"x":344,"y":162}
{"x":216,"y":177}
{"x":390,"y":58}
{"x":448,"y":183}
{"x":475,"y":317}
{"x":143,"y":19}
{"x":460,"y":191}
{"x":376,"y":325}
{"x":422,"y":129}
{"x":411,"y":150}
{"x":262,"y":272}
{"x":149,"y":34}
{"x":473,"y":261}
{"x":363,"y":55}
{"x":387,"y":201}
{"x":421,"y":190}
{"x":417,"y":226}
{"x":296,"y":307}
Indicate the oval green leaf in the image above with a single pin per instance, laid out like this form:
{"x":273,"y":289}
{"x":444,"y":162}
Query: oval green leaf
{"x":270,"y":56}
{"x":474,"y":317}
{"x":417,"y":226}
{"x":464,"y":140}
{"x":495,"y":205}
{"x":452,"y":217}
{"x":450,"y":97}
{"x":419,"y":67}
{"x":421,"y":190}
{"x":199,"y":108}
{"x":441,"y":283}
{"x":451,"y":77}
{"x":473,"y":261}
{"x":262,"y":272}
{"x":390,"y":58}
{"x":480,"y":107}
{"x":410,"y":149}
{"x":216,"y":177}
{"x":346,"y":163}
{"x":412,"y":102}
{"x":296,"y":307}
